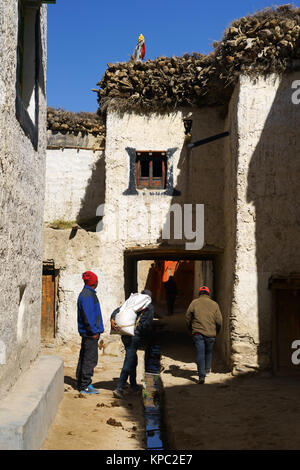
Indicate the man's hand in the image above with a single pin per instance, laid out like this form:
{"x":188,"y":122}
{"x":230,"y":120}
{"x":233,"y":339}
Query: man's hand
{"x":113,"y":324}
{"x":95,"y":336}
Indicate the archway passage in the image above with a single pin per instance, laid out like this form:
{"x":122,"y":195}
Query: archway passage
{"x":173,"y":283}
{"x":151,"y":269}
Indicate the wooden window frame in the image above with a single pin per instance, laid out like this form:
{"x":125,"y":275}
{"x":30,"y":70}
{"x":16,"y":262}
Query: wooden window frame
{"x":151,"y":182}
{"x":28,"y":124}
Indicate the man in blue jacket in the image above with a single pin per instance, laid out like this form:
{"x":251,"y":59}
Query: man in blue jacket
{"x":90,"y":326}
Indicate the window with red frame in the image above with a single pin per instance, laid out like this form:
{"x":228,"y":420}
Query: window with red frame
{"x":151,"y":170}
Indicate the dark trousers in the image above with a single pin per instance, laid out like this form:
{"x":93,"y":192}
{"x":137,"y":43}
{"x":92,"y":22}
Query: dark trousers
{"x":204,"y":346}
{"x":152,"y":357}
{"x":88,"y":359}
{"x":170,"y":303}
{"x":131,"y":344}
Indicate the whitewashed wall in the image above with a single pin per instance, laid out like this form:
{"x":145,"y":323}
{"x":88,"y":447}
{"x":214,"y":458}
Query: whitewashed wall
{"x":71,"y":257}
{"x":69,"y":172}
{"x":268,"y":215}
{"x":197,"y":174}
{"x":248,"y":184}
{"x":22,"y":171}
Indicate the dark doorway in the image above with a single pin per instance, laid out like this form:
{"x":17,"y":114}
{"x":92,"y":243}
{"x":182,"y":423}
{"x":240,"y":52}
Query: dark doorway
{"x":286,"y":322}
{"x":48,"y":320}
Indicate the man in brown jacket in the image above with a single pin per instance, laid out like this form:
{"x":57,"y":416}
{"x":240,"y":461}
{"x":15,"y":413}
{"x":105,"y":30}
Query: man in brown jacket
{"x":204,"y":320}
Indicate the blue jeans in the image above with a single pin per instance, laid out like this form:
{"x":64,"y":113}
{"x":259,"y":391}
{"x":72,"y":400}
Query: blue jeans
{"x":204,"y":346}
{"x":131,"y":344}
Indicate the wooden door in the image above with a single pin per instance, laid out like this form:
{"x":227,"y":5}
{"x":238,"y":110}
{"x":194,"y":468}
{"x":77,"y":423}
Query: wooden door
{"x":288,"y":326}
{"x":48,"y":306}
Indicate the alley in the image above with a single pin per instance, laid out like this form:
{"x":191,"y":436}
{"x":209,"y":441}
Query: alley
{"x":258,"y":411}
{"x":253,"y":412}
{"x":99,"y":421}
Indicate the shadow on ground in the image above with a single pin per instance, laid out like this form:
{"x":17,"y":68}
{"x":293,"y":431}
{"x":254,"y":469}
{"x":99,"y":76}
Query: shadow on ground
{"x":176,"y":343}
{"x":254,"y":411}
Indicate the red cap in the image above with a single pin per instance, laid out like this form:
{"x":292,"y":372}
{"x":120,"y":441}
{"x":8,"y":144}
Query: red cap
{"x":90,"y":278}
{"x":204,"y":289}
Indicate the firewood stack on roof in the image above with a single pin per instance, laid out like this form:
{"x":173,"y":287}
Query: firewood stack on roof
{"x":265,"y":42}
{"x":66,"y":121}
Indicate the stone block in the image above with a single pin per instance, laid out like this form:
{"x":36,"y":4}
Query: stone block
{"x":30,"y":406}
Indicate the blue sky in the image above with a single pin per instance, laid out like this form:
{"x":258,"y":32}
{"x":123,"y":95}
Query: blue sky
{"x":84,"y":35}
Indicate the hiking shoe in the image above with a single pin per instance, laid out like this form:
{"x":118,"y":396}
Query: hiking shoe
{"x":118,"y":393}
{"x":89,"y":390}
{"x":201,"y":381}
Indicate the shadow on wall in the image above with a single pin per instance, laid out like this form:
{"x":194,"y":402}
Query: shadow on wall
{"x":94,"y":197}
{"x":273,"y":186}
{"x":41,"y":68}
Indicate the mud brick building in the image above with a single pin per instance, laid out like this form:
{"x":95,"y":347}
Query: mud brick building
{"x":247,"y":182}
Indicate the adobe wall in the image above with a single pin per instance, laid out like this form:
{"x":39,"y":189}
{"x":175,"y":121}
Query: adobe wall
{"x":225,"y":263}
{"x":75,"y":178}
{"x":198,"y":175}
{"x":247,"y":183}
{"x":71,"y":258}
{"x":22,"y":170}
{"x":267,"y":220}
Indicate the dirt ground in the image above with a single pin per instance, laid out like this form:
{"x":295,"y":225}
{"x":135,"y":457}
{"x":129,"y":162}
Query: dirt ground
{"x":95,"y":422}
{"x":258,"y":411}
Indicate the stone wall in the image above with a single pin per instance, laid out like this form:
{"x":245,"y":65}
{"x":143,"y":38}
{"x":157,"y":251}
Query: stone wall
{"x":22,"y":169}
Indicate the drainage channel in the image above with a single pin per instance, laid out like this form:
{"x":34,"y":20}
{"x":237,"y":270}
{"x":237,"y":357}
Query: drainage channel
{"x":153,"y":402}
